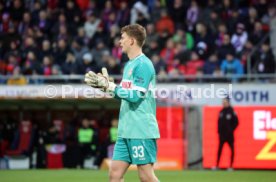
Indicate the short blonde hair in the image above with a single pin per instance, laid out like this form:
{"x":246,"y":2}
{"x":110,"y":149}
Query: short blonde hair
{"x":136,"y":31}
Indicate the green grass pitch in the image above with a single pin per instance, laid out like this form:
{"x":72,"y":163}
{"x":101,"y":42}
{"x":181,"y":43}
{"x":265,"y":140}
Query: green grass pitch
{"x":131,"y":176}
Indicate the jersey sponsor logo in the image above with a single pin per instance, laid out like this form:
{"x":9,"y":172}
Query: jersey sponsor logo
{"x":126,"y":84}
{"x":139,"y":80}
{"x":265,"y":129}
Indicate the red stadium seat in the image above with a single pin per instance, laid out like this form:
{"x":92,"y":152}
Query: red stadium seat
{"x":25,"y":137}
{"x":18,"y":158}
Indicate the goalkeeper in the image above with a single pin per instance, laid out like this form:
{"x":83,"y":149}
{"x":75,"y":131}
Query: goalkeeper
{"x":138,"y":129}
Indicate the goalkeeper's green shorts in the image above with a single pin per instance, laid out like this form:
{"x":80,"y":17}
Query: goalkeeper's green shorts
{"x":135,"y":151}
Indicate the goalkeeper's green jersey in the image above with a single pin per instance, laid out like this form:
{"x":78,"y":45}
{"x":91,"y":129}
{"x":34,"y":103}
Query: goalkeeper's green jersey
{"x":138,"y":119}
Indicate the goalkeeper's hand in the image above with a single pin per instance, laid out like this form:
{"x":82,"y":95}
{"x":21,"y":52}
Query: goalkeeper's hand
{"x":100,"y":80}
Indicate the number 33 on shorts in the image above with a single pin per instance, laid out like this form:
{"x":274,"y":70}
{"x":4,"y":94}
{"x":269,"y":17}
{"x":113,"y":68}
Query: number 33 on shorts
{"x":138,"y":151}
{"x":142,"y":151}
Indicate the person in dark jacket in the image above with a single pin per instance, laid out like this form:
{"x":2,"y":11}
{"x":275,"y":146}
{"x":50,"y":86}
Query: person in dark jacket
{"x":264,"y":62}
{"x":227,"y":123}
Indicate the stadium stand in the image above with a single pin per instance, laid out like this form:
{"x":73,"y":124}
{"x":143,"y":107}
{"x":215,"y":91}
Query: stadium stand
{"x":53,"y":38}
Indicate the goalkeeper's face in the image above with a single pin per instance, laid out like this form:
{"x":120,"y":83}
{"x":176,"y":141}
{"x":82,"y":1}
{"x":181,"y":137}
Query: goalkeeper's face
{"x":126,"y":42}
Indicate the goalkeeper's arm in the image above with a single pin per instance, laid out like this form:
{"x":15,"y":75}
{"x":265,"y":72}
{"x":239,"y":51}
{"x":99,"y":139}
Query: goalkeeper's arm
{"x":133,"y":96}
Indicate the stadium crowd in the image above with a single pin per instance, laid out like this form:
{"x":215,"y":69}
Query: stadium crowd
{"x":214,"y":37}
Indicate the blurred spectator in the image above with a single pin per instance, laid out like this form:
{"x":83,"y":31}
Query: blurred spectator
{"x":165,"y":23}
{"x":137,"y":8}
{"x":43,"y":28}
{"x":239,"y":38}
{"x":63,"y":27}
{"x":83,"y":4}
{"x":214,"y":22}
{"x":257,"y":34}
{"x":225,"y":48}
{"x":151,"y":34}
{"x":31,"y":65}
{"x":158,"y":64}
{"x":47,"y":65}
{"x":194,"y":65}
{"x":152,"y":48}
{"x":123,"y":14}
{"x":234,"y":20}
{"x":114,"y":32}
{"x":192,"y":15}
{"x":70,"y":65}
{"x":168,"y":53}
{"x":202,"y":35}
{"x":264,"y":60}
{"x":98,"y":52}
{"x":73,"y":13}
{"x":113,"y":66}
{"x":156,"y":11}
{"x":110,"y":22}
{"x":14,"y":49}
{"x":86,"y":141}
{"x":261,"y":7}
{"x":247,"y":50}
{"x":107,"y":11}
{"x":232,"y":66}
{"x":99,"y":36}
{"x":225,"y":10}
{"x":78,"y":48}
{"x":25,"y":23}
{"x":222,"y":30}
{"x":205,"y":13}
{"x":177,"y":66}
{"x":17,"y":78}
{"x":17,"y":11}
{"x":39,"y":36}
{"x":175,"y":69}
{"x":46,"y":49}
{"x":43,"y":22}
{"x":252,"y":18}
{"x":56,"y":70}
{"x":91,"y":9}
{"x":28,"y":45}
{"x":82,"y":36}
{"x":35,"y":11}
{"x":55,"y":133}
{"x":12,"y":64}
{"x":86,"y":64}
{"x":63,"y":33}
{"x":141,"y":20}
{"x":211,"y":65}
{"x":91,"y":25}
{"x":178,"y":13}
{"x":184,"y":38}
{"x":60,"y":52}
{"x":202,"y":50}
{"x":116,"y":50}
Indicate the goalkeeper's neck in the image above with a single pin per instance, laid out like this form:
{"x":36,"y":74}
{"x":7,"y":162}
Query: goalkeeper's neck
{"x":134,"y":52}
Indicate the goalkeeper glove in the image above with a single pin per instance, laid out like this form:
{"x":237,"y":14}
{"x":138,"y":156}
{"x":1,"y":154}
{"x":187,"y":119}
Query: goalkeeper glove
{"x":100,"y":80}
